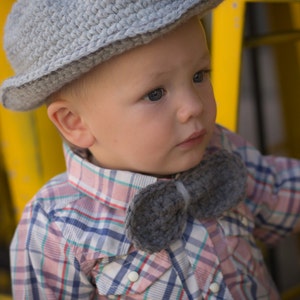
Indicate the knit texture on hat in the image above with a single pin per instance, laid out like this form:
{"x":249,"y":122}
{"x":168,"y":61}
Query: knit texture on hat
{"x":52,"y":42}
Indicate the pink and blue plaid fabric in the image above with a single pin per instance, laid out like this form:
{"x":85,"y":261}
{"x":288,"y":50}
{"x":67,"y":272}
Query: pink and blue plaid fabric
{"x":70,"y":242}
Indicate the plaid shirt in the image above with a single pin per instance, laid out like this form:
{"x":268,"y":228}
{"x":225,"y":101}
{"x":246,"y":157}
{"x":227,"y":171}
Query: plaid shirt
{"x":70,"y":242}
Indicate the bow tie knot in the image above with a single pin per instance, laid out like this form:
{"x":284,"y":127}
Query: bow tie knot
{"x":157,"y":215}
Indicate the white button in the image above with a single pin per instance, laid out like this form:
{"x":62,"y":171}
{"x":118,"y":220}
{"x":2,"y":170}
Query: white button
{"x":245,"y":221}
{"x":214,"y":287}
{"x":133,"y":276}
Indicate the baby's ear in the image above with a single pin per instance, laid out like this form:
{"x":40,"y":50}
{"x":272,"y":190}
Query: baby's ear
{"x":70,"y":124}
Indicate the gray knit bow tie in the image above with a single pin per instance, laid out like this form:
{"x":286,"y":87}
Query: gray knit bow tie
{"x":157,"y":215}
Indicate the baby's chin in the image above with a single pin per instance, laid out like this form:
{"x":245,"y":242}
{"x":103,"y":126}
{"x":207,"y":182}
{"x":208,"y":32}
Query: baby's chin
{"x":171,"y":173}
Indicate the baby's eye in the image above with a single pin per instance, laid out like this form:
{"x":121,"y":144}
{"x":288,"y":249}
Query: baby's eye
{"x":155,"y":95}
{"x":200,"y":76}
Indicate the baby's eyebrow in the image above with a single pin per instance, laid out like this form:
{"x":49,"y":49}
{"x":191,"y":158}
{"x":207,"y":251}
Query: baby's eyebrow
{"x":205,"y":56}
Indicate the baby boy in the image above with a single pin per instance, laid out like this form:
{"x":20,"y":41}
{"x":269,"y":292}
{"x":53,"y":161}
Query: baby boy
{"x":158,"y":201}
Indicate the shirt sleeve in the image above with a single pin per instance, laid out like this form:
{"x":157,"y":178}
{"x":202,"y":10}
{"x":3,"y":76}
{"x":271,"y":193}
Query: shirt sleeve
{"x":43,"y":265}
{"x":273,"y":191}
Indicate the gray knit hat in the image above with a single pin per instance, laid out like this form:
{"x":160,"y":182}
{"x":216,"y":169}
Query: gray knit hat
{"x":52,"y":42}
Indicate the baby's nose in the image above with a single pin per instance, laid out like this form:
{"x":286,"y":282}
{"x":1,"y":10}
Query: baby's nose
{"x":190,"y":106}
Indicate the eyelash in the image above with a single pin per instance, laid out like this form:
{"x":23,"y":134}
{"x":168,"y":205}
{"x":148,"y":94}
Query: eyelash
{"x":155,"y":94}
{"x":203,"y":73}
{"x":158,"y":93}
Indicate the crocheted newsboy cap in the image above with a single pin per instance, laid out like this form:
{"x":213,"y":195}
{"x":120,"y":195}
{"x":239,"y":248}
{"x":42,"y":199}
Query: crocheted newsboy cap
{"x":52,"y":42}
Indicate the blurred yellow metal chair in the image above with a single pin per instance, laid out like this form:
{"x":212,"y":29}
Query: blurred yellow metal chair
{"x":228,"y":35}
{"x":228,"y":42}
{"x":31,"y":146}
{"x":30,"y":154}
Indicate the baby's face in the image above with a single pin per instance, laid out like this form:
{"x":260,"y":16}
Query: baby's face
{"x":152,"y":109}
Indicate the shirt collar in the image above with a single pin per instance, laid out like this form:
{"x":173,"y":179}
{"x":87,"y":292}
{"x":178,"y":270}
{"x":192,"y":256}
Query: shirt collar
{"x":108,"y":186}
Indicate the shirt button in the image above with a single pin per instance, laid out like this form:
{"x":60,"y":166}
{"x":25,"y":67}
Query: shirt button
{"x":133,"y":276}
{"x":214,"y":288}
{"x":244,"y":221}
